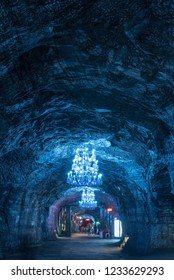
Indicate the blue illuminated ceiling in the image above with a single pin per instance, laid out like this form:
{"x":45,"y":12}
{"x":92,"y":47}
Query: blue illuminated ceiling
{"x":99,"y":72}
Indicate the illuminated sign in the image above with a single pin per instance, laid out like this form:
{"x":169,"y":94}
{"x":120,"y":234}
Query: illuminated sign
{"x":117,"y":228}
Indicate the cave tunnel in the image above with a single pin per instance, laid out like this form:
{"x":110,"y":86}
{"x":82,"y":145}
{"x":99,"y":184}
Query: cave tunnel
{"x":95,"y":74}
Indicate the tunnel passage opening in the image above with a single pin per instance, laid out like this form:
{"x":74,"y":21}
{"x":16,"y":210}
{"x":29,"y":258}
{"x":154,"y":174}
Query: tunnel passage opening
{"x":83,"y":221}
{"x":67,"y":219}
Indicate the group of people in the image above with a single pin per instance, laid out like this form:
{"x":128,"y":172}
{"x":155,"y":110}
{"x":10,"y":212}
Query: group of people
{"x":91,"y":229}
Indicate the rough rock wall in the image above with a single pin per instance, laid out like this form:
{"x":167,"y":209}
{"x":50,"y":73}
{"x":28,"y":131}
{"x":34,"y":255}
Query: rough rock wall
{"x":96,"y":72}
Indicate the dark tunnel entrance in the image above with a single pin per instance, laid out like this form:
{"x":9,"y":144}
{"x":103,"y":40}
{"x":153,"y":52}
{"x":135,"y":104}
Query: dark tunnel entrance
{"x":67,"y":219}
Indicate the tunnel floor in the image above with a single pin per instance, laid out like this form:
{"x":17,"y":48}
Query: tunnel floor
{"x":84,"y":247}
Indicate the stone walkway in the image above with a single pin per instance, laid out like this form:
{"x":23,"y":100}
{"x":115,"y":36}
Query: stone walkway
{"x":82,"y":247}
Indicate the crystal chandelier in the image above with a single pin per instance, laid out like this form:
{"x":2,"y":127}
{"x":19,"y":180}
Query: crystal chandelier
{"x":84,"y":169}
{"x":88,"y":199}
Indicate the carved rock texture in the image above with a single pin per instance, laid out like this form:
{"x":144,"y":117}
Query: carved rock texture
{"x":97,"y":73}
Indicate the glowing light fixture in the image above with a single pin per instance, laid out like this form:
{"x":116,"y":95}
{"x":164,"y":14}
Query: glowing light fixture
{"x":84,"y":169}
{"x":117,"y":228}
{"x":109,"y":209}
{"x":88,"y":199}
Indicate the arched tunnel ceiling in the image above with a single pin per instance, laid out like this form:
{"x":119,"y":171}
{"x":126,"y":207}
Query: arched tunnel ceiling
{"x":87,"y":72}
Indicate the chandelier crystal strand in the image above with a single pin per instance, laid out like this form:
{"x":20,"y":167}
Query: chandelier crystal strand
{"x":84,"y":169}
{"x":88,"y":199}
{"x":85,"y":173}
